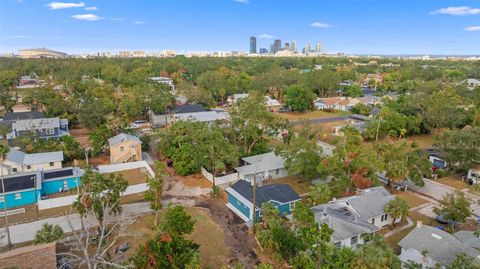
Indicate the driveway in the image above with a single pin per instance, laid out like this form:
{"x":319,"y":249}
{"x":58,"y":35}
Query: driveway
{"x":436,"y":191}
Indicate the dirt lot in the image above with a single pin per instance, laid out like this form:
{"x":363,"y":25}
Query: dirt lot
{"x":324,"y":130}
{"x":133,"y":176}
{"x":291,"y":116}
{"x":81,"y":135}
{"x":454,"y":182}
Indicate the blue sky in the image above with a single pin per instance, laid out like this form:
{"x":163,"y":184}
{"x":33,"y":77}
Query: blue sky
{"x":350,"y":26}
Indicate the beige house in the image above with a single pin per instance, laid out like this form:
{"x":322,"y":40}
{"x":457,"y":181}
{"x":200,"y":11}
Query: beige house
{"x":125,"y":148}
{"x":21,"y":162}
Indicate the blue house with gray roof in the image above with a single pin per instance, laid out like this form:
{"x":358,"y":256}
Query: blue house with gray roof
{"x":28,"y":188}
{"x":240,"y":199}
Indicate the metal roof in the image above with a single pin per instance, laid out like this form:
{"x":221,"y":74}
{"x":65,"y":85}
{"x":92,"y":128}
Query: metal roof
{"x":281,"y":193}
{"x":260,"y":163}
{"x":21,"y":157}
{"x":35,"y":124}
{"x":113,"y":141}
{"x":371,"y":203}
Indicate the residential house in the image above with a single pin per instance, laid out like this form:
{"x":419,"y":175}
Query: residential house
{"x":233,"y":99}
{"x":27,"y":188}
{"x":369,"y":205}
{"x":272,"y":104}
{"x":40,"y":256}
{"x":30,"y":82}
{"x":204,"y":116}
{"x":240,"y":199}
{"x":264,"y":166}
{"x":377,"y":78}
{"x":125,"y":148}
{"x":430,"y":246}
{"x":349,"y":230}
{"x":435,"y":157}
{"x":334,"y":103}
{"x":471,"y":83}
{"x":160,"y":120}
{"x":164,"y":80}
{"x":468,"y":238}
{"x":358,"y":125}
{"x":21,"y":123}
{"x":20,"y":162}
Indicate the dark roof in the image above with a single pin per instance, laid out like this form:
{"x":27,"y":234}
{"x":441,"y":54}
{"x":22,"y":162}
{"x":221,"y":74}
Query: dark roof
{"x":17,"y":183}
{"x":188,"y":109}
{"x":57,"y":174}
{"x":277,"y":192}
{"x":368,"y":91}
{"x":13,"y":116}
{"x":434,"y":152}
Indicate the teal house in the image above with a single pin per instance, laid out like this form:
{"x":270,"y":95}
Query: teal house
{"x":240,"y":199}
{"x":27,"y":188}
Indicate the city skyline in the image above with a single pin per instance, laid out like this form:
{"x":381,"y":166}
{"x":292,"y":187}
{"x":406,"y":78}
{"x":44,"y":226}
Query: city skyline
{"x":349,"y":26}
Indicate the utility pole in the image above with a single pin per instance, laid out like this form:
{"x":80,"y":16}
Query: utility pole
{"x":254,"y":198}
{"x":9,"y":242}
{"x":213,"y":170}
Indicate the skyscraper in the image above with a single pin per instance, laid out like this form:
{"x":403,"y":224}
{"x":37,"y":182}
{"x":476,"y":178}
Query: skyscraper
{"x":253,"y":44}
{"x":318,"y":47}
{"x":263,"y":51}
{"x":287,"y":46}
{"x":306,"y":49}
{"x":277,"y":45}
{"x":293,"y":46}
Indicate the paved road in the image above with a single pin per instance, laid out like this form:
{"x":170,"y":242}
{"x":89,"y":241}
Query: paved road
{"x":436,"y":191}
{"x":320,"y":120}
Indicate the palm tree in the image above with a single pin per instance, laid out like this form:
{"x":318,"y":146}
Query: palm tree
{"x":48,"y":233}
{"x":397,"y":208}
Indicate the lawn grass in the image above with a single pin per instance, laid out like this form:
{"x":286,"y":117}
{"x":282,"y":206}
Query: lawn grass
{"x":412,"y":199}
{"x":213,"y":250}
{"x":293,"y":116}
{"x":454,"y":182}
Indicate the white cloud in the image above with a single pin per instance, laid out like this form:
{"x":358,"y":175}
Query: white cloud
{"x":117,"y":18}
{"x":472,"y":28}
{"x":91,"y":8}
{"x":87,"y":17}
{"x":267,"y":36}
{"x":458,"y":11}
{"x":242,"y":1}
{"x":61,"y":5}
{"x":320,"y":25}
{"x":139,"y":22}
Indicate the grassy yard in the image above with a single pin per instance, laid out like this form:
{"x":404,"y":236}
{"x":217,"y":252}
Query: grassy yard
{"x":412,"y":199}
{"x":454,"y":182}
{"x":292,"y":116}
{"x":297,"y":185}
{"x":213,"y":250}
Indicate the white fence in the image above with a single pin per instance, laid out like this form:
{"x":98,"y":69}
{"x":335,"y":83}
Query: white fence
{"x":118,"y":167}
{"x":220,"y":180}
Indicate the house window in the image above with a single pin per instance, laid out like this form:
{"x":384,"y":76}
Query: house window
{"x":18,"y":196}
{"x":51,"y":164}
{"x":385,"y":217}
{"x":354,"y":240}
{"x":337,"y":244}
{"x":381,"y":219}
{"x":1,"y":199}
{"x":373,"y":221}
{"x":122,"y":148}
{"x":65,"y":184}
{"x":277,"y":172}
{"x":50,"y":131}
{"x":29,"y":166}
{"x":14,"y":169}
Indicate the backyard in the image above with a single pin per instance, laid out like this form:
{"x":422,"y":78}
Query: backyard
{"x":293,"y":116}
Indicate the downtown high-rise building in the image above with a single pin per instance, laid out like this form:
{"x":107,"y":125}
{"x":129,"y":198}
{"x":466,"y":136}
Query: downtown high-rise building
{"x":318,"y":47}
{"x":253,"y":44}
{"x":277,"y":45}
{"x":293,"y":46}
{"x":307,"y":49}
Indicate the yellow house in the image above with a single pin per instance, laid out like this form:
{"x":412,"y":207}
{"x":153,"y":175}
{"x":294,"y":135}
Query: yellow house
{"x":125,"y":148}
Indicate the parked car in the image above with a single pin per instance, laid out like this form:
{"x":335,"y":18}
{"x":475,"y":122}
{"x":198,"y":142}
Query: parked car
{"x":441,"y":219}
{"x":284,"y":109}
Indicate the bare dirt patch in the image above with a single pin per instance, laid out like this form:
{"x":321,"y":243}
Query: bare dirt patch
{"x":81,"y":135}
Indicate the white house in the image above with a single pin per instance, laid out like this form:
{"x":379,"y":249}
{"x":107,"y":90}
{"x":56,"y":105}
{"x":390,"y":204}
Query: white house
{"x":472,"y":83}
{"x":272,"y":104}
{"x":231,"y":100}
{"x":20,"y":162}
{"x":265,"y":166}
{"x":369,"y":205}
{"x":164,"y":80}
{"x":430,"y":247}
{"x":349,"y":230}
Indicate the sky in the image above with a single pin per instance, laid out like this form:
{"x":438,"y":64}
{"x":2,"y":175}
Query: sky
{"x":388,"y":27}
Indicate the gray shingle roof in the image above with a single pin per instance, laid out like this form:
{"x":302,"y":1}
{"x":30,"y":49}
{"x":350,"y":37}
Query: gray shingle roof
{"x":468,"y":238}
{"x":113,"y":141}
{"x":344,"y":222}
{"x":35,"y":124}
{"x":281,"y":193}
{"x":12,"y":116}
{"x":439,"y":245}
{"x":260,"y":163}
{"x":20,"y":157}
{"x":371,"y":202}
